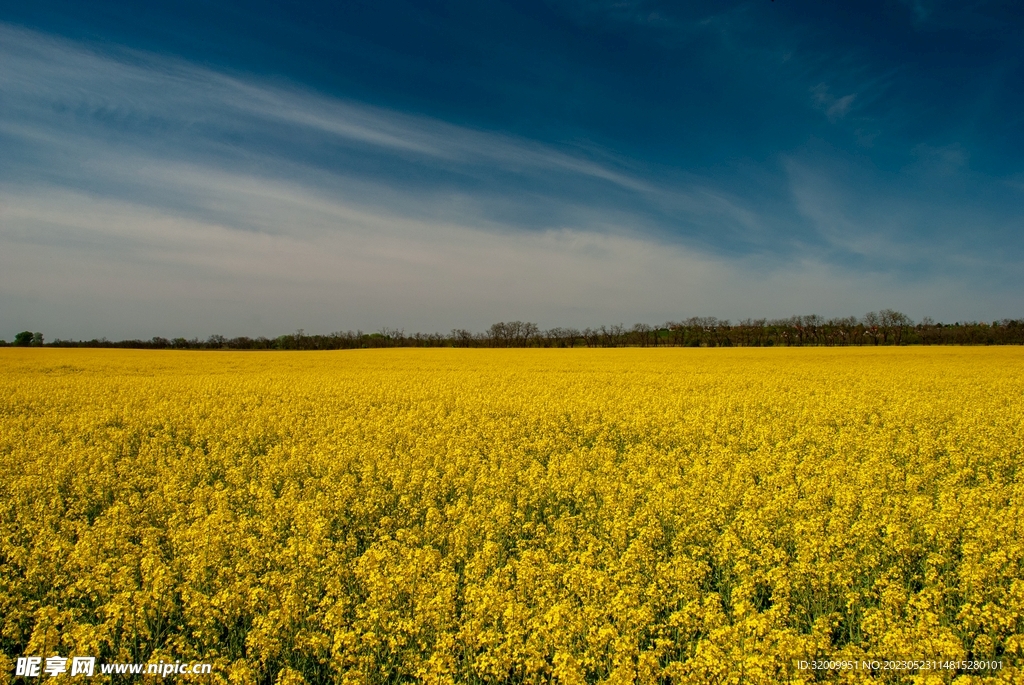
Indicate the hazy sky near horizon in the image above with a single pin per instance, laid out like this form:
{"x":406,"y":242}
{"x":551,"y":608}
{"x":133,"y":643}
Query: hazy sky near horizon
{"x":192,"y":168}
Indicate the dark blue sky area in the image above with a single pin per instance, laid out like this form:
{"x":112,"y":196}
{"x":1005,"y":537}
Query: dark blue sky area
{"x":700,"y":86}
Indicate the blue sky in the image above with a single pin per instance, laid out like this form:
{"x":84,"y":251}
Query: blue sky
{"x":192,"y":168}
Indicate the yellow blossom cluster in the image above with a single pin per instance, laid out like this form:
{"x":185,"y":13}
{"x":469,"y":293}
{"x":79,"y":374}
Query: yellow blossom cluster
{"x":518,"y":516}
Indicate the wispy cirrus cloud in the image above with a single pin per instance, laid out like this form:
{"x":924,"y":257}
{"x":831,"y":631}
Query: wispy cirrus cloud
{"x":106,"y":112}
{"x":835,"y":108}
{"x":166,"y":102}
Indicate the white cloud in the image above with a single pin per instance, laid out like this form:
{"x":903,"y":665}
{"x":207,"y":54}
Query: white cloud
{"x":839,"y":108}
{"x":895,"y":229}
{"x":835,"y":108}
{"x":80,"y":266}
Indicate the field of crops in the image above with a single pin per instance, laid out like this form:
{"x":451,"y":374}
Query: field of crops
{"x":507,"y":516}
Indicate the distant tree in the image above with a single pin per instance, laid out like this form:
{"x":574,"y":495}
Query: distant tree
{"x":884,"y":327}
{"x":722,"y":333}
{"x":552,"y":337}
{"x":498,"y":334}
{"x":872,"y":323}
{"x":615,"y":335}
{"x":643,"y":335}
{"x":461,"y":337}
{"x":571,"y":335}
{"x":513,"y":334}
{"x":894,"y":324}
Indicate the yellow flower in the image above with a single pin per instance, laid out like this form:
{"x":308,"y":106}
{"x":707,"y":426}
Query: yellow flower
{"x":448,"y":516}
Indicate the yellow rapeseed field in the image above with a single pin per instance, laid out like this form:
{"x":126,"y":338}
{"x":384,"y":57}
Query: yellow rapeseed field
{"x":517,"y":516}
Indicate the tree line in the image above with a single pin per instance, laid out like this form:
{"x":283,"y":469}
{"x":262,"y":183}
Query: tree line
{"x":886,"y":327}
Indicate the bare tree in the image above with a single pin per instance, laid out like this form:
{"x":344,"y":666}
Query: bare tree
{"x":641,"y":334}
{"x":572,"y":335}
{"x":513,"y":334}
{"x":893,"y":324}
{"x":461,"y":337}
{"x":872,"y":324}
